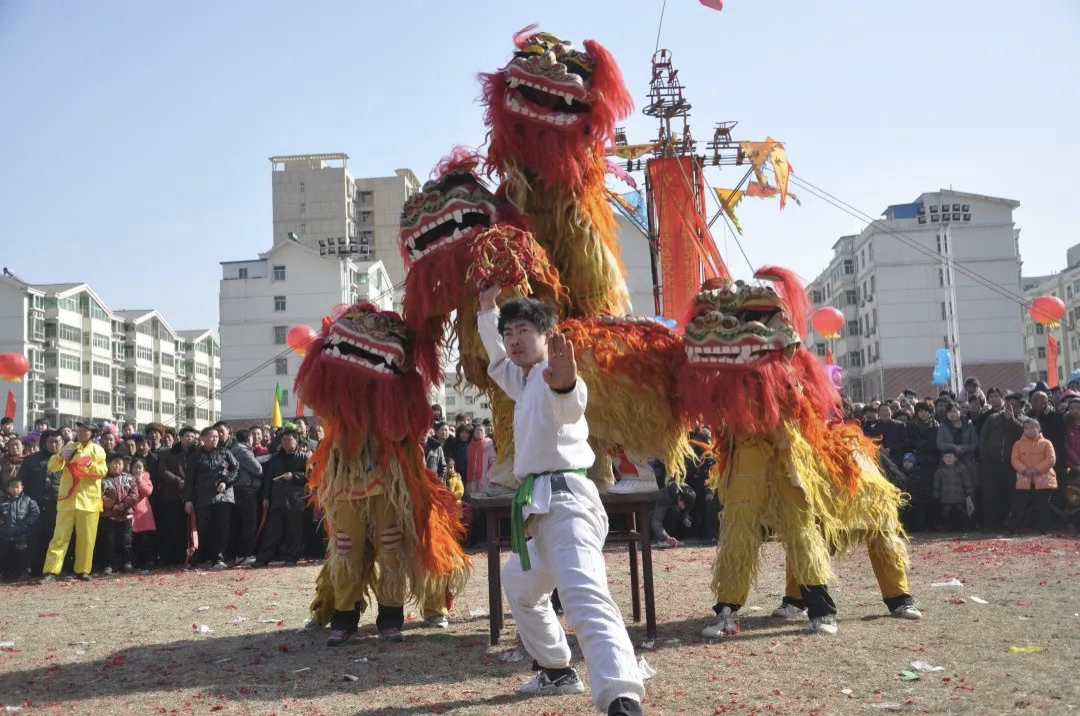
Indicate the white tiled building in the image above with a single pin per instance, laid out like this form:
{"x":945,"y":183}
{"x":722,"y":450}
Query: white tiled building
{"x":1066,"y":286}
{"x":261,"y":299}
{"x":90,"y":362}
{"x":895,"y":297}
{"x":327,"y":209}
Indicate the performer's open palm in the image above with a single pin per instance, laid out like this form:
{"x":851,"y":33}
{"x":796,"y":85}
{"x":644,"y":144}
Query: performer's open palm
{"x":561,"y":371}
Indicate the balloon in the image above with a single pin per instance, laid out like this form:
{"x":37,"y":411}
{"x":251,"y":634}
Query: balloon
{"x":299,"y":338}
{"x":1048,"y":310}
{"x":828,"y":321}
{"x":13,"y":366}
{"x":713,"y":4}
{"x":942,"y":366}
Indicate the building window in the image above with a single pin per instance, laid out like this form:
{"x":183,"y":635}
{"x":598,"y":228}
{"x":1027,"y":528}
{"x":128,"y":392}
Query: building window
{"x":143,"y":353}
{"x":279,"y":273}
{"x":853,"y":328}
{"x":279,"y":303}
{"x":303,"y":209}
{"x":301,"y":187}
{"x":1040,"y":352}
{"x":144,"y":404}
{"x":102,"y":369}
{"x":849,"y":267}
{"x":367,"y":198}
{"x":855,"y":359}
{"x":1038,"y":329}
{"x":943,"y":314}
{"x":303,"y":228}
{"x":70,"y":362}
{"x":280,"y":332}
{"x":850,"y":298}
{"x":144,"y":379}
{"x":281,"y":366}
{"x":470,"y":400}
{"x":451,"y":400}
{"x":102,"y":397}
{"x":284,"y":398}
{"x":69,"y":392}
{"x":70,"y":333}
{"x":242,"y":272}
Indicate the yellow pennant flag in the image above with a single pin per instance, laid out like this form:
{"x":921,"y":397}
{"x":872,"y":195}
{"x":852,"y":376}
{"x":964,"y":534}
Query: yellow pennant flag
{"x":782,"y":170}
{"x":275,"y":416}
{"x":758,"y":153}
{"x":729,"y":199}
{"x":632,"y":151}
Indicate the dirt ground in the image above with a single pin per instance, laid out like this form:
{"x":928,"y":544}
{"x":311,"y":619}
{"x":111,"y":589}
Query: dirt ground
{"x":130,"y":645}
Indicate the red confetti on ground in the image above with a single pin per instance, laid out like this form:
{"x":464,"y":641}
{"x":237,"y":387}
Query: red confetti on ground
{"x":283,"y":648}
{"x":1023,"y":602}
{"x":116,"y":661}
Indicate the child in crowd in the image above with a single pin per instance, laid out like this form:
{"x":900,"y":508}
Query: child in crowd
{"x":142,"y":518}
{"x":1033,"y":458}
{"x":954,"y":490}
{"x":119,"y":493}
{"x":18,"y":513}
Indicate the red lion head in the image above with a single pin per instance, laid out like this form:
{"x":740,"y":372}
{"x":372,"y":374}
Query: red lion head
{"x":361,"y":375}
{"x":552,"y":109}
{"x":744,"y":368}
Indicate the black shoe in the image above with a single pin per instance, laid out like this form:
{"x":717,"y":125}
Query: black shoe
{"x":83,"y":577}
{"x":338,"y":637}
{"x":623,"y":706}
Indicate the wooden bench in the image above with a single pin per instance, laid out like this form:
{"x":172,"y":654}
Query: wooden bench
{"x":635,"y":507}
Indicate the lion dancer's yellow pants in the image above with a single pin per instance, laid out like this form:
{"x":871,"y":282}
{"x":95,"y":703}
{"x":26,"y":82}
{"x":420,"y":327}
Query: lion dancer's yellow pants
{"x":758,"y":491}
{"x":888,"y":558}
{"x":358,"y":555}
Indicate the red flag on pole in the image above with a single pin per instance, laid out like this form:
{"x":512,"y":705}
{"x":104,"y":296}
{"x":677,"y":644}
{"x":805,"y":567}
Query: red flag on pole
{"x":9,"y":409}
{"x":1051,"y":361}
{"x":828,"y":357}
{"x":299,"y":406}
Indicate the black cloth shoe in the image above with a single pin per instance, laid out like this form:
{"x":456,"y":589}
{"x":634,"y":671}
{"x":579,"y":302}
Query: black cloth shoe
{"x":623,"y":706}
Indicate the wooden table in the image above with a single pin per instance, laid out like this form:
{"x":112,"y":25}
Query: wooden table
{"x":636,"y":507}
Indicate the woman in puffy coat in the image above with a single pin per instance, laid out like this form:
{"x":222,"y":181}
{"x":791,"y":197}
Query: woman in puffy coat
{"x":1033,"y":459}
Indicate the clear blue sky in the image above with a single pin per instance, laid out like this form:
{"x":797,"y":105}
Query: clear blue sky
{"x":135,"y":135}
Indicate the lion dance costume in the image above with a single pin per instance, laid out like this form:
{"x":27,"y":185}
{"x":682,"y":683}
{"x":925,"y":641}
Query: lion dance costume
{"x":779,"y":463}
{"x":394,"y":528}
{"x":456,"y":234}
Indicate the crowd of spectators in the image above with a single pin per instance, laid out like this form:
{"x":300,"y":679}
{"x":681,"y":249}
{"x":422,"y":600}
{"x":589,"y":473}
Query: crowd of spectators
{"x":170,"y":498}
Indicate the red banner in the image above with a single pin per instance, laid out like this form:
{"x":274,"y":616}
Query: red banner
{"x":687,"y":250}
{"x":829,"y":358}
{"x":9,"y":409}
{"x":1051,"y":361}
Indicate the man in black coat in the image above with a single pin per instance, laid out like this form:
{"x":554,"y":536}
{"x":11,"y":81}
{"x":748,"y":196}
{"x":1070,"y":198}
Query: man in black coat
{"x":43,"y":487}
{"x":208,"y":493}
{"x":247,"y":491}
{"x":284,"y":493}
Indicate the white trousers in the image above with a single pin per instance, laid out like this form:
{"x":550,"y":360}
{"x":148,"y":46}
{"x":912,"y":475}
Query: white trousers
{"x":566,"y":551}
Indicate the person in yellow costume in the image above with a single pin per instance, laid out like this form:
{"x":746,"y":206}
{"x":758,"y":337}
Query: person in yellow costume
{"x":79,"y":505}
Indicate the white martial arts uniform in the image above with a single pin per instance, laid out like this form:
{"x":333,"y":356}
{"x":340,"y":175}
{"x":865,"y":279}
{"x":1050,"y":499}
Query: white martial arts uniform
{"x":568,"y":530}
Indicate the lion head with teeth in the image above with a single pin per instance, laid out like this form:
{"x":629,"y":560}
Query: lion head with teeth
{"x":443,"y":230}
{"x":552,"y":109}
{"x":743,"y":361}
{"x":361,"y":375}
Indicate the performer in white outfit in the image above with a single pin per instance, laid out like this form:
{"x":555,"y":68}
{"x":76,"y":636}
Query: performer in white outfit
{"x":559,"y":508}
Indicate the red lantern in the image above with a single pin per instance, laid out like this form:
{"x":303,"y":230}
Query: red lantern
{"x":828,"y":321}
{"x":299,"y":338}
{"x":13,"y":366}
{"x":1048,"y":310}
